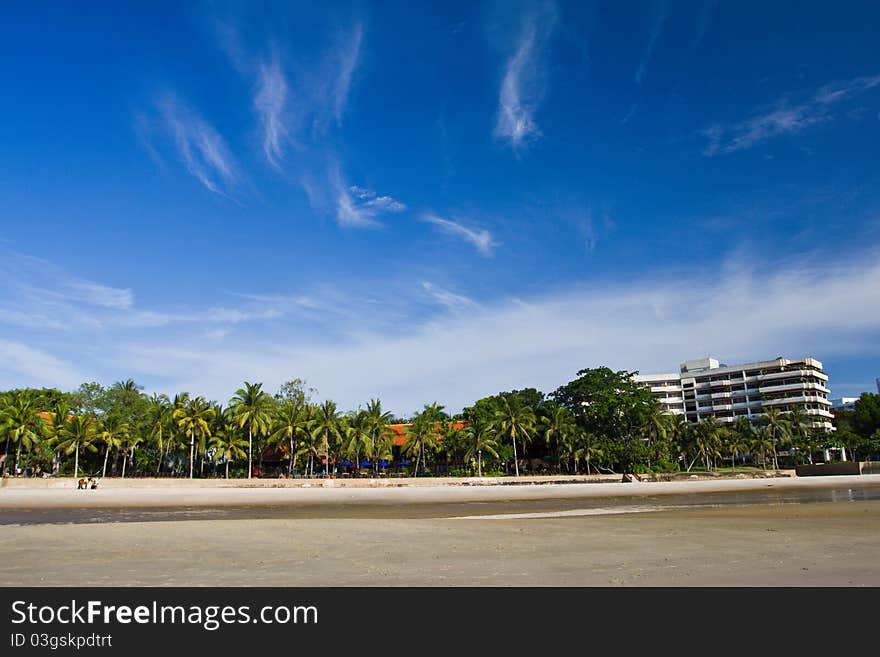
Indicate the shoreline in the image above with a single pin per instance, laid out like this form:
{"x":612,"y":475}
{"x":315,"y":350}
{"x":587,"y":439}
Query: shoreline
{"x":171,"y":497}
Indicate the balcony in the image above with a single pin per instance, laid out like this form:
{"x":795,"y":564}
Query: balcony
{"x":803,"y":385}
{"x":723,"y":407}
{"x":793,"y":373}
{"x":800,"y":399}
{"x":720,"y":395}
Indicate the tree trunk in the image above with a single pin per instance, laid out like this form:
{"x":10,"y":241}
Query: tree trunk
{"x":124,"y":459}
{"x":480,"y":463}
{"x":6,"y":458}
{"x":291,"y":460}
{"x":515,"y":463}
{"x":192,"y":445}
{"x":250,"y":451}
{"x":76,"y":462}
{"x":17,"y":455}
{"x":227,"y":468}
{"x":106,"y":454}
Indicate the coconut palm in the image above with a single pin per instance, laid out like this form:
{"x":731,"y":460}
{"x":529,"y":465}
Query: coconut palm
{"x":252,"y":408}
{"x":558,"y":426}
{"x":708,"y":439}
{"x":779,"y":431}
{"x":113,"y":432}
{"x":589,"y":448}
{"x":326,"y":430}
{"x":23,"y":425}
{"x":162,"y":424}
{"x":194,"y":419}
{"x":480,"y":435}
{"x":291,"y":422}
{"x":357,"y":435}
{"x":423,"y":435}
{"x":78,"y":432}
{"x":515,"y":421}
{"x":129,"y":447}
{"x":380,"y":432}
{"x":762,"y":442}
{"x":229,"y":445}
{"x":799,"y":425}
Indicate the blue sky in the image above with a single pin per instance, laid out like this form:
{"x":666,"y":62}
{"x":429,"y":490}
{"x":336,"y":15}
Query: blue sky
{"x":423,"y":201}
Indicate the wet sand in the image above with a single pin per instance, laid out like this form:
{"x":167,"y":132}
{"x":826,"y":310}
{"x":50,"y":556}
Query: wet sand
{"x":791,"y":532}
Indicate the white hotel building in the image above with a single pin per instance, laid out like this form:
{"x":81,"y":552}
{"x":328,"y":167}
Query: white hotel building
{"x":705,"y":388}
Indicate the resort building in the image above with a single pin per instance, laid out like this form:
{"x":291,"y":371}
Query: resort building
{"x":843,"y":403}
{"x":705,"y":388}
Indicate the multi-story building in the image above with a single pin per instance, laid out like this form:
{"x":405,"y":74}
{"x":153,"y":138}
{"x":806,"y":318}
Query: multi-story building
{"x":705,"y":388}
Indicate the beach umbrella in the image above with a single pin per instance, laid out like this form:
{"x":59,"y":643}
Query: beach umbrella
{"x":364,"y":464}
{"x":346,"y":464}
{"x":403,"y":463}
{"x":384,"y":464}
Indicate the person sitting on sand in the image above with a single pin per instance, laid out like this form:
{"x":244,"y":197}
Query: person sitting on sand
{"x":94,"y":483}
{"x":81,"y":484}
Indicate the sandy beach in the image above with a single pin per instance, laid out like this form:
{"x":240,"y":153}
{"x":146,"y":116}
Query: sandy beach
{"x":822,"y":531}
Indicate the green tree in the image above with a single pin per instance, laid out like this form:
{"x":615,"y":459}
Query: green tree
{"x":194,"y":419}
{"x":113,"y":433}
{"x":291,"y":422}
{"x":229,"y":445}
{"x":515,"y":421}
{"x":22,"y":424}
{"x":252,"y":408}
{"x":480,"y":435}
{"x":381,"y":436}
{"x":423,"y":434}
{"x":558,"y":426}
{"x":609,"y":403}
{"x":78,"y":432}
{"x":326,"y":431}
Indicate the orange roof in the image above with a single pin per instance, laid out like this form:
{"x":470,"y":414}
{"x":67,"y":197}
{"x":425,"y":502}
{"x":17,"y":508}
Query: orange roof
{"x":398,"y":431}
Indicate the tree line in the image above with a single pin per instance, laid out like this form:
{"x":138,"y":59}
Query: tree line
{"x":599,"y":422}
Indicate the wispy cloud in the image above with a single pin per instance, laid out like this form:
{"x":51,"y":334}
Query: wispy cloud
{"x":661,"y":11}
{"x":202,"y":149}
{"x":269,"y":103}
{"x":22,"y":365}
{"x":522,"y":83}
{"x":450,"y":300}
{"x":348,"y":54}
{"x":480,"y":239}
{"x":784,"y":118}
{"x":100,"y":295}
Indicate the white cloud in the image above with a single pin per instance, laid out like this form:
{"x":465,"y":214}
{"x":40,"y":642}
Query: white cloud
{"x":348,"y":54}
{"x":100,"y":295}
{"x":24,"y":366}
{"x":446,"y":298}
{"x":784,"y":118}
{"x":481,"y":239}
{"x":661,"y":11}
{"x":650,"y":324}
{"x":201,"y":147}
{"x":269,"y":103}
{"x":521,"y":85}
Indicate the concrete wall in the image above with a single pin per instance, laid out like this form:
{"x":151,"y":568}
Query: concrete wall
{"x":869,"y":467}
{"x":826,"y":469}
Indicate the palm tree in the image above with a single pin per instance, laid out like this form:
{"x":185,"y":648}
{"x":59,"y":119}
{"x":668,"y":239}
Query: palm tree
{"x":229,"y":445}
{"x":779,"y":430}
{"x":252,"y":408}
{"x":380,"y":431}
{"x":590,"y":448}
{"x":515,"y":421}
{"x":558,"y":425}
{"x":23,"y":423}
{"x":194,"y":418}
{"x":291,"y":421}
{"x":423,"y":434}
{"x":162,"y":425}
{"x":326,"y":430}
{"x":129,"y":446}
{"x":481,"y":436}
{"x":708,"y":439}
{"x":357,"y":435}
{"x":800,"y":424}
{"x":739,"y":438}
{"x":77,"y":432}
{"x":762,"y":442}
{"x":113,"y":433}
